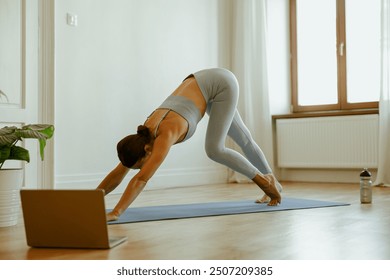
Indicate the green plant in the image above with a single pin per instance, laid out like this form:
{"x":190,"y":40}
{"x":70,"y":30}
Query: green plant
{"x":10,"y":136}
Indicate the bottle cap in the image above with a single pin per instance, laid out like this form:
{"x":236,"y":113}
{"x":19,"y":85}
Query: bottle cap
{"x":365,"y":173}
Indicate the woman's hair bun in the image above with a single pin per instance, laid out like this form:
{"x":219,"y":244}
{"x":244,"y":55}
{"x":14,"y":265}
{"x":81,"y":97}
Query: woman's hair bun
{"x":143,"y":131}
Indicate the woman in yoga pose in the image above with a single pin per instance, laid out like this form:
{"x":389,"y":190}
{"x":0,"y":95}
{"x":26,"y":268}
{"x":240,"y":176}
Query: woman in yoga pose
{"x":214,"y":91}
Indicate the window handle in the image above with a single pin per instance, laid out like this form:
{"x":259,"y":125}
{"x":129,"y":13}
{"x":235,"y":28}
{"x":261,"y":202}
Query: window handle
{"x":341,"y":49}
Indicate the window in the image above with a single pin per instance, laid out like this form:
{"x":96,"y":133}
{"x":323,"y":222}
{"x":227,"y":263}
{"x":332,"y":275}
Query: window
{"x":335,"y":54}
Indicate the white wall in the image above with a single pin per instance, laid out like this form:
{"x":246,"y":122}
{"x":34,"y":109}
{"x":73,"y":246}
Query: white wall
{"x":124,"y":58}
{"x":115,"y":67}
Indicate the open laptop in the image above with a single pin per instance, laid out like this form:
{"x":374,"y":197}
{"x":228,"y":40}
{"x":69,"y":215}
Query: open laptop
{"x":66,"y":219}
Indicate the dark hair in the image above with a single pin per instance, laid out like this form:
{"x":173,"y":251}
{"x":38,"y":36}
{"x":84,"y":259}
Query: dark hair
{"x":132,"y":148}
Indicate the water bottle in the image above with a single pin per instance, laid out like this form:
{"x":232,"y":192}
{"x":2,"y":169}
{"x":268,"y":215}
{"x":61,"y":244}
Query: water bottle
{"x":365,"y":186}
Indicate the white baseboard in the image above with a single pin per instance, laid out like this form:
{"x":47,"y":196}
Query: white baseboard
{"x":162,"y":179}
{"x":322,"y":175}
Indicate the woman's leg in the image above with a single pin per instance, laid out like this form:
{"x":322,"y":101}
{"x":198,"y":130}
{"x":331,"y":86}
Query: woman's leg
{"x":242,"y":136}
{"x":216,"y":150}
{"x":221,"y":113}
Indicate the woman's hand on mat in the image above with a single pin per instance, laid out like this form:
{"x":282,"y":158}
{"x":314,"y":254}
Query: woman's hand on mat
{"x":112,"y":217}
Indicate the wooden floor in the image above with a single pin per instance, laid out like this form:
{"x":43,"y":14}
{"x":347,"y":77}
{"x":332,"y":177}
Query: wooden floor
{"x":336,"y":233}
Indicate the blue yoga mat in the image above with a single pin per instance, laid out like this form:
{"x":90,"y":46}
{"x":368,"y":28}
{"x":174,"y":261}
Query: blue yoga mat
{"x":185,"y":211}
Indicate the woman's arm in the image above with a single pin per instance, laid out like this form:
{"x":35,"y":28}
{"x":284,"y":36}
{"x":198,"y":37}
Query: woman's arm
{"x":133,"y":189}
{"x":159,"y":152}
{"x":113,"y":179}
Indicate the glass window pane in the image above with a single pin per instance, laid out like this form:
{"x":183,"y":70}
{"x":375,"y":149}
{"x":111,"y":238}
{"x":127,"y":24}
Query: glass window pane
{"x":363,"y":50}
{"x":316,"y":52}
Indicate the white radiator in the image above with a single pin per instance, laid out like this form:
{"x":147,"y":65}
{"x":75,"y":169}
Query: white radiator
{"x":328,"y":142}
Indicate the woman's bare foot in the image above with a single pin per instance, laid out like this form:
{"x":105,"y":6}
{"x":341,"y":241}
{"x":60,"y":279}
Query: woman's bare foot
{"x":268,"y":185}
{"x":265,"y":198}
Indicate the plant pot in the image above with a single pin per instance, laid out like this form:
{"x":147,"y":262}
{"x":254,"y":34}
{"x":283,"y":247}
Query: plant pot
{"x":11,"y":181}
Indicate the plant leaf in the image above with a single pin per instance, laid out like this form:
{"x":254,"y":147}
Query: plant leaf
{"x":8,"y":135}
{"x":19,"y":153}
{"x":4,"y":153}
{"x":40,"y":132}
{"x":27,"y":133}
{"x":46,"y":129}
{"x":42,"y":145}
{"x":37,"y":131}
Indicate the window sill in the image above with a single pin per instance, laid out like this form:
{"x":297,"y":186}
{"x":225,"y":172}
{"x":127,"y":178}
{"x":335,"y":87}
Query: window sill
{"x":327,"y":114}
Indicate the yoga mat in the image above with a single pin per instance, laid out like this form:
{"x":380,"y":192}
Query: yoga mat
{"x":183,"y":211}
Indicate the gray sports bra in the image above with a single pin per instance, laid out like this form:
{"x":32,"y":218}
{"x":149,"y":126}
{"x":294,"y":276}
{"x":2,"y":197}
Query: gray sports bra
{"x":185,"y":108}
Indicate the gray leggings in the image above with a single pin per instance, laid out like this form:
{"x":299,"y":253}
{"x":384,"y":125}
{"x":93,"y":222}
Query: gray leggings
{"x":220,"y":89}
